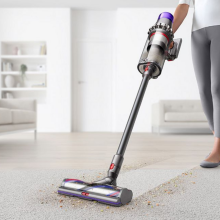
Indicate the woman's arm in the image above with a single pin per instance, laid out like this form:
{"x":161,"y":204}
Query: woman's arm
{"x":179,"y":16}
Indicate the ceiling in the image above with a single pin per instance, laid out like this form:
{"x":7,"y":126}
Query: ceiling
{"x":88,"y":4}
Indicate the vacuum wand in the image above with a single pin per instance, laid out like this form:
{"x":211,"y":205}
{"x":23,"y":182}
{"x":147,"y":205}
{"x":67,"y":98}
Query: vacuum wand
{"x":133,"y":115}
{"x":155,"y":52}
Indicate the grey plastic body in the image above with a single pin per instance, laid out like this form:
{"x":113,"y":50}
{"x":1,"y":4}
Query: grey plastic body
{"x":173,"y":53}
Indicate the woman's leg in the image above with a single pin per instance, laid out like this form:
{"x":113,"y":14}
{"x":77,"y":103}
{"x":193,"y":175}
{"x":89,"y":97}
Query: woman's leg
{"x":200,"y":49}
{"x":213,"y":33}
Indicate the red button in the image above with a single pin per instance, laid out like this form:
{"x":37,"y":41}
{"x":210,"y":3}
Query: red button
{"x":112,"y":166}
{"x":85,"y":194}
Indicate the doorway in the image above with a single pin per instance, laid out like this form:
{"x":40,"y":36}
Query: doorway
{"x":93,"y":90}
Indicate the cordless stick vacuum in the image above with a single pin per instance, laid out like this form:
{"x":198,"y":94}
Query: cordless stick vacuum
{"x":155,"y":52}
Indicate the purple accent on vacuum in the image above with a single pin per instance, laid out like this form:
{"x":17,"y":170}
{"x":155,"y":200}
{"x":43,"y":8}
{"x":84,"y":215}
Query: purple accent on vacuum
{"x":166,"y":15}
{"x":99,"y":186}
{"x":74,"y":181}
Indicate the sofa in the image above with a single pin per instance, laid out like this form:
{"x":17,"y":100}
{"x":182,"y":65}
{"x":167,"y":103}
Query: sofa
{"x":18,"y":115}
{"x":179,"y":115}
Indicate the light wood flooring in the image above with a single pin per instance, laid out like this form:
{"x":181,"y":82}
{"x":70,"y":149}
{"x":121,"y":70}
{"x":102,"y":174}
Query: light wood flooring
{"x":95,"y":150}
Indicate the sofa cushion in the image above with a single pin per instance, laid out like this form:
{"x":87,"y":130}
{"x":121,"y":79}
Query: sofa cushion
{"x":185,"y":117}
{"x":5,"y":116}
{"x":23,"y":116}
{"x":182,"y":105}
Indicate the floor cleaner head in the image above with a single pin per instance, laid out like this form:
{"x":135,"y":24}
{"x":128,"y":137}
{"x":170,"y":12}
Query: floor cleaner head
{"x":108,"y":194}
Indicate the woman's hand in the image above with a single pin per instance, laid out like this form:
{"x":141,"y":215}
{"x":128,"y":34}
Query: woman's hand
{"x":171,"y":45}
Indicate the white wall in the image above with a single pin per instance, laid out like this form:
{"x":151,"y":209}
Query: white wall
{"x":53,"y":26}
{"x":95,"y":24}
{"x":177,"y":80}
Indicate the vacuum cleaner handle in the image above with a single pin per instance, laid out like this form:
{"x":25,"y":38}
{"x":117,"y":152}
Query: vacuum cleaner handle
{"x":172,"y":54}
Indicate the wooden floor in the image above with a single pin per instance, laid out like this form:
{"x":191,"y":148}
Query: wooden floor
{"x":95,"y":150}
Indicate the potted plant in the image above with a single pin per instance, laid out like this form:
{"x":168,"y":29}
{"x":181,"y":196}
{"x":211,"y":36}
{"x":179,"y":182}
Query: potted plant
{"x":23,"y":70}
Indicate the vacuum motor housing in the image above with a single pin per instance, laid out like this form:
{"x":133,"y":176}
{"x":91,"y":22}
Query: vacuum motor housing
{"x":159,"y":38}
